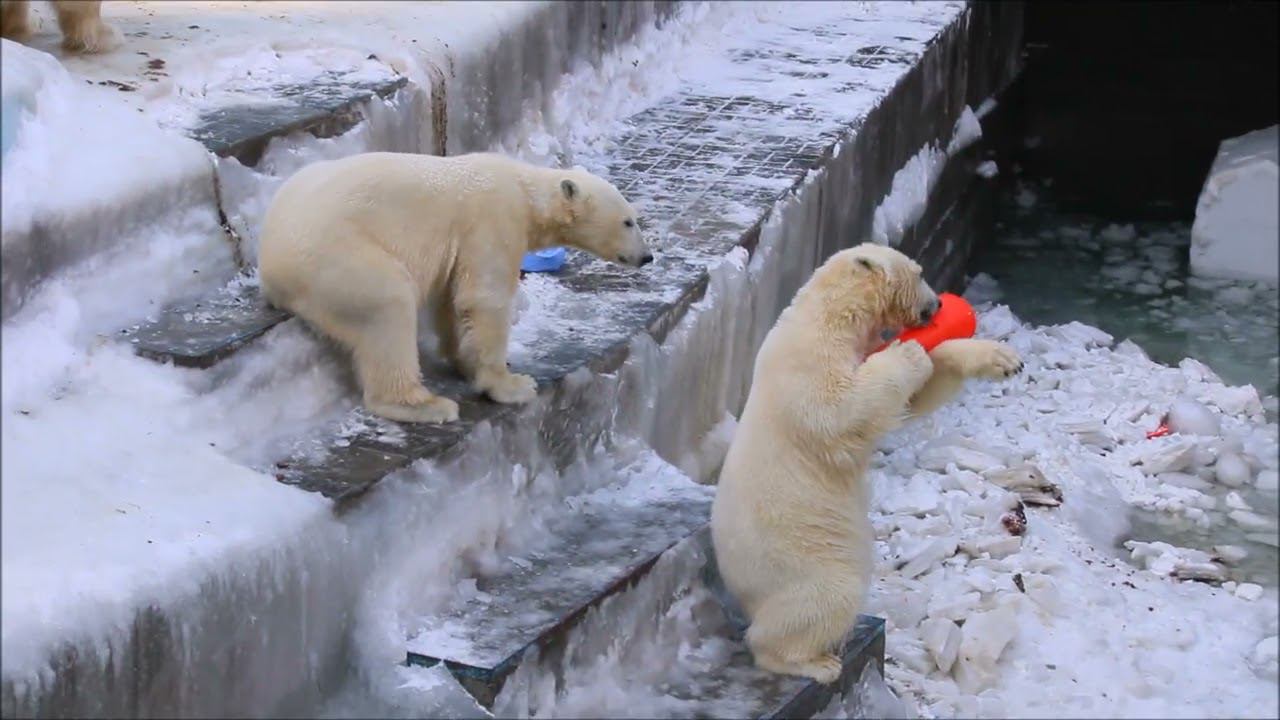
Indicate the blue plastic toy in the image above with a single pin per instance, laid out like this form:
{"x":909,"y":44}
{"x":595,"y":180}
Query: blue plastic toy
{"x":546,"y":260}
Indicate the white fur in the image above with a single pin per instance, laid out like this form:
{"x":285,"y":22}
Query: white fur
{"x":789,"y":523}
{"x":355,"y":246}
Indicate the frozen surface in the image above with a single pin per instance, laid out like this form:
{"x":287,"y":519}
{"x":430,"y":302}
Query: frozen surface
{"x":596,"y":540}
{"x":1236,"y":234}
{"x":1063,"y":620}
{"x":132,"y":481}
{"x":182,"y":60}
{"x":83,"y":173}
{"x":912,"y":183}
{"x":62,"y":125}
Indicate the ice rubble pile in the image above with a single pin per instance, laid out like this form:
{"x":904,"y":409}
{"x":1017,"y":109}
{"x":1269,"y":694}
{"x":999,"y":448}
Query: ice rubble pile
{"x":999,"y":522}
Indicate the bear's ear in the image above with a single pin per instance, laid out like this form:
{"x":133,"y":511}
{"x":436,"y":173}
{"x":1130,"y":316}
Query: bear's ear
{"x":569,"y":188}
{"x":867,"y":263}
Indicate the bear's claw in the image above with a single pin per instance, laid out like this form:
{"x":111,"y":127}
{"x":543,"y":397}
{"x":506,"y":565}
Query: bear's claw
{"x":1001,"y":362}
{"x":510,"y":389}
{"x":433,"y":410}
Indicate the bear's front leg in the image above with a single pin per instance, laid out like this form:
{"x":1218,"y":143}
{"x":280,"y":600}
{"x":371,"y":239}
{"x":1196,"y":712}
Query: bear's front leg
{"x":481,"y":328}
{"x":955,"y":361}
{"x":876,"y":401}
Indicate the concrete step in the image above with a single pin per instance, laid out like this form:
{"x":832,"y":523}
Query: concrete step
{"x":532,"y":604}
{"x":750,"y":691}
{"x":783,"y":696}
{"x":325,"y":107}
{"x":600,"y":545}
{"x":198,"y":333}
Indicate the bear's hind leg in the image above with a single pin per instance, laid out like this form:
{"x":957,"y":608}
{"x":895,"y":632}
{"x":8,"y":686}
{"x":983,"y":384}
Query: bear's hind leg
{"x":371,"y":308}
{"x":798,"y":631}
{"x":82,"y":27}
{"x":386,"y":361}
{"x":13,"y":20}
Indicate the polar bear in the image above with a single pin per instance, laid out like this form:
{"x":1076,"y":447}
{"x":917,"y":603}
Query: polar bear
{"x":789,"y":523}
{"x":79,"y":20}
{"x":356,"y":246}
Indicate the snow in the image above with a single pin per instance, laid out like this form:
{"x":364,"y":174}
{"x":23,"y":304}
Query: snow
{"x":106,"y":451}
{"x":1086,"y":632}
{"x":126,"y":172}
{"x":1236,"y":234}
{"x":902,"y":207}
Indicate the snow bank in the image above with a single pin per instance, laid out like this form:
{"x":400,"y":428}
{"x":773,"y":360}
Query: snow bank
{"x":84,"y":173}
{"x":1236,"y":233}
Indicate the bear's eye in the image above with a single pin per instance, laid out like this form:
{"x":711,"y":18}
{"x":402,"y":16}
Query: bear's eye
{"x":629,"y":222}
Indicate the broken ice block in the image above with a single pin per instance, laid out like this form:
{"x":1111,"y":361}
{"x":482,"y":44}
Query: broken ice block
{"x":1235,"y":231}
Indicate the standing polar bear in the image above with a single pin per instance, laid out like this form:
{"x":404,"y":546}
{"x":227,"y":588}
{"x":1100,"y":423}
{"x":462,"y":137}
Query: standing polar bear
{"x":356,"y":246}
{"x":789,"y":523}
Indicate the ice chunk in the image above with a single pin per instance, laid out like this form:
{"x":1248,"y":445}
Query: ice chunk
{"x":1183,"y":480}
{"x":1264,"y":656}
{"x":982,"y":288}
{"x":954,"y":607}
{"x":1188,"y":417}
{"x":1248,"y":591}
{"x":1158,"y":458}
{"x":932,"y":553}
{"x":1235,"y":502}
{"x":1230,"y":554}
{"x":1118,"y":233}
{"x":1078,"y":333}
{"x":967,"y":131}
{"x":1241,"y":400}
{"x":998,"y":323}
{"x":984,"y":638}
{"x":937,"y":458}
{"x":1235,"y":231}
{"x":1193,"y":369}
{"x":941,"y":638}
{"x":1250,"y":520}
{"x":994,"y":546}
{"x":1268,"y":480}
{"x":1231,"y":470}
{"x":918,"y":497}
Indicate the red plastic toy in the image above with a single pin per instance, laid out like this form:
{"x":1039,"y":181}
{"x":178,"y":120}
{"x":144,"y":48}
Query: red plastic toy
{"x":955,"y":319}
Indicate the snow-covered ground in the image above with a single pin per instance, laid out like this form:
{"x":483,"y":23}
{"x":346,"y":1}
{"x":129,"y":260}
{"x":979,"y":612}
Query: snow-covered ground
{"x":1071,"y":620}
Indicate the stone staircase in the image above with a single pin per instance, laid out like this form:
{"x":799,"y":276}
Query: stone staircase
{"x":704,"y":171}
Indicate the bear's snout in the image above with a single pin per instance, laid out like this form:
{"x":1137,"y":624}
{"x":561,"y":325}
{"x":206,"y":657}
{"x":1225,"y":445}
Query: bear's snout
{"x":636,"y":260}
{"x":930,"y":309}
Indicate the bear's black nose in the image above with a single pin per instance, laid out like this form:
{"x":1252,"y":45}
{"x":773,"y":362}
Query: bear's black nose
{"x":646,"y":259}
{"x":930,"y":310}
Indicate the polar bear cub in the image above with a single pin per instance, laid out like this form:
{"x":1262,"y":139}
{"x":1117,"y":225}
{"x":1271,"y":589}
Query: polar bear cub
{"x":789,"y":523}
{"x":356,"y":246}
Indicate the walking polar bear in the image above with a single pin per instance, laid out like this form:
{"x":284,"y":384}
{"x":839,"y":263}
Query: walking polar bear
{"x":355,"y":246}
{"x":789,"y":522}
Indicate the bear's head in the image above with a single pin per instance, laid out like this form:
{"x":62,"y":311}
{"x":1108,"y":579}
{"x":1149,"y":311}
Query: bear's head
{"x":599,"y":220}
{"x":872,"y":288}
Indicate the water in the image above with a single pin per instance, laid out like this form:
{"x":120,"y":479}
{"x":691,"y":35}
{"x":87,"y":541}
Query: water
{"x":1132,"y":280}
